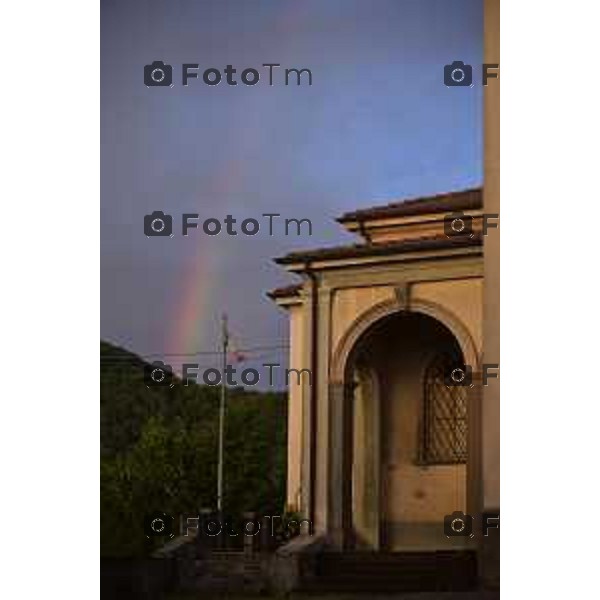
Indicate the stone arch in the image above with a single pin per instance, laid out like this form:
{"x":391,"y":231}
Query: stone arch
{"x":338,"y":374}
{"x":389,"y":307}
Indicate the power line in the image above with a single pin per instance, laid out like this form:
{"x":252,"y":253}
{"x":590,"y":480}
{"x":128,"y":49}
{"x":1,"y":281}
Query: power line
{"x":215,"y":353}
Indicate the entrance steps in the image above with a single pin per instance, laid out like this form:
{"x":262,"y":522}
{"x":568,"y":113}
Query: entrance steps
{"x":384,"y":572}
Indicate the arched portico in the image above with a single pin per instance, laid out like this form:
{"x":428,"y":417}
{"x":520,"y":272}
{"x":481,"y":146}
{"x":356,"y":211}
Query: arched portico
{"x":391,"y":499}
{"x":381,"y":446}
{"x":392,"y":306}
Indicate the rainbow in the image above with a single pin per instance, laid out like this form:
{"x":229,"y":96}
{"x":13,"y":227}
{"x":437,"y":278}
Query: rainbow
{"x":193,"y":297}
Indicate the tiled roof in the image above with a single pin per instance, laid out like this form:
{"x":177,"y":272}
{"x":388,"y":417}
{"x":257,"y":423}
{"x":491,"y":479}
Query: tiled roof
{"x":285,"y":292}
{"x":448,"y":202}
{"x":361,"y":250}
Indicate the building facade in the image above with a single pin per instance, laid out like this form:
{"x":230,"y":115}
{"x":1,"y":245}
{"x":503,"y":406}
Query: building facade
{"x":382,"y":445}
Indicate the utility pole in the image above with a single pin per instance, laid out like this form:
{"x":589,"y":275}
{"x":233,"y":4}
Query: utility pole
{"x":224,"y":344}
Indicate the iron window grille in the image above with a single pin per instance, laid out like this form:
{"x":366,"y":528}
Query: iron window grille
{"x":443,"y":437}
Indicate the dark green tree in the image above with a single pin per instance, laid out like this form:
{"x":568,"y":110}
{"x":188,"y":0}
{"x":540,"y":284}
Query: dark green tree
{"x":159,"y":449}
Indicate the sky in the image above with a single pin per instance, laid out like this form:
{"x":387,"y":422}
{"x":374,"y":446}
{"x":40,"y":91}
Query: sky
{"x":376,"y":125}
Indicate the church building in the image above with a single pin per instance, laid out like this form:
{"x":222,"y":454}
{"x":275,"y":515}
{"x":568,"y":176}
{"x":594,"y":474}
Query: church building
{"x":386,"y":442}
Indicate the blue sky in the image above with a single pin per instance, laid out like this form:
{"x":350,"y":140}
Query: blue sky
{"x":377,"y":124}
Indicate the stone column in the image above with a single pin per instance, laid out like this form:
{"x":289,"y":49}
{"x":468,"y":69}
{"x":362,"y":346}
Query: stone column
{"x":306,"y":490}
{"x":474,"y":471}
{"x":364,"y":405}
{"x":339,"y":502}
{"x":322,"y":516}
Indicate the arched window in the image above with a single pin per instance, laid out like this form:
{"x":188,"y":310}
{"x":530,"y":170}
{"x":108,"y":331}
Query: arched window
{"x":444,"y":417}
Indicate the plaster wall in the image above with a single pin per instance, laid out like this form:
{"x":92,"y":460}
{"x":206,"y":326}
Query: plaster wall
{"x":462,"y":297}
{"x":349,"y":303}
{"x":491,"y":245}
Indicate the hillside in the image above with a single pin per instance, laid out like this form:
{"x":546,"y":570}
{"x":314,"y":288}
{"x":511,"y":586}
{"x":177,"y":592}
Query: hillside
{"x":159,"y":449}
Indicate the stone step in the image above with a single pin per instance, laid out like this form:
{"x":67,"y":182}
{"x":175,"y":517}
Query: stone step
{"x":387,"y":572}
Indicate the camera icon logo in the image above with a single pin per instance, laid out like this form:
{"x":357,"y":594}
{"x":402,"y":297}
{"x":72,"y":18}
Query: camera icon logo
{"x":158,"y":524}
{"x":158,"y":374}
{"x":458,"y":524}
{"x":457,"y":74}
{"x":459,"y":375}
{"x":158,"y":74}
{"x":158,"y":224}
{"x":458,"y":224}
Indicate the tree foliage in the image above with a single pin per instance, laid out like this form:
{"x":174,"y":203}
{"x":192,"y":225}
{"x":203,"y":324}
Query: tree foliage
{"x":159,"y":451}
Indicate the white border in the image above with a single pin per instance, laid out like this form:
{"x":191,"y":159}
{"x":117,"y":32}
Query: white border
{"x":49,"y":442}
{"x":549,"y":299}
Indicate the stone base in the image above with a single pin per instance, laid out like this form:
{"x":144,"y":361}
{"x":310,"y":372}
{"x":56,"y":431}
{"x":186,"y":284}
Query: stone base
{"x":490,"y":559}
